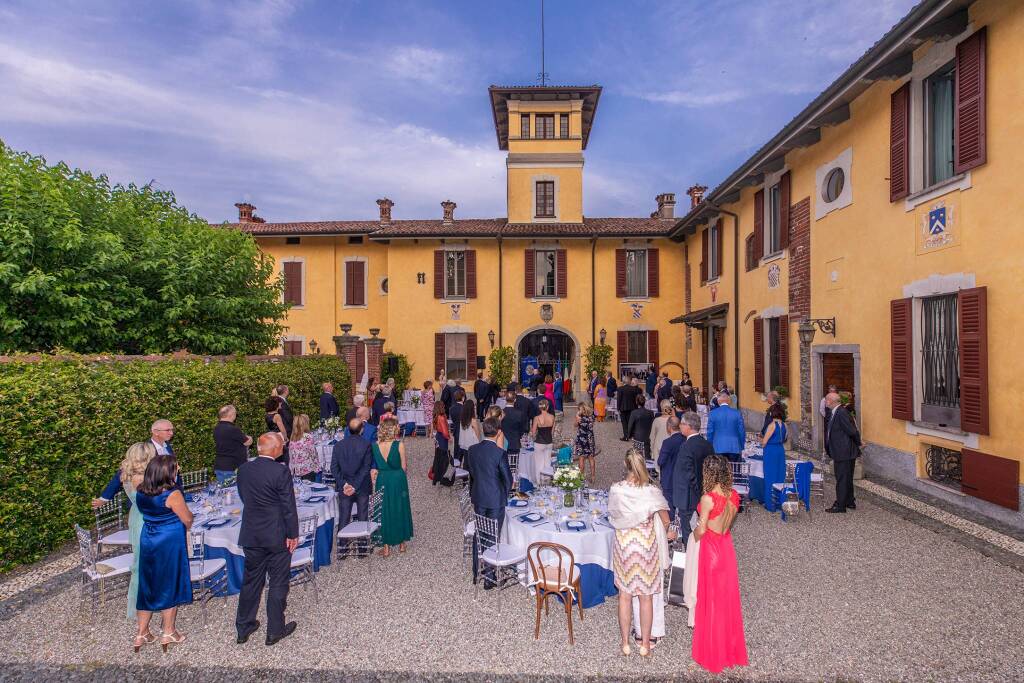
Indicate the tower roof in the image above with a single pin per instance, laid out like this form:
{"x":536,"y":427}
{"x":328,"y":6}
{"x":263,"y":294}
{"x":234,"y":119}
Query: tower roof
{"x":501,"y":94}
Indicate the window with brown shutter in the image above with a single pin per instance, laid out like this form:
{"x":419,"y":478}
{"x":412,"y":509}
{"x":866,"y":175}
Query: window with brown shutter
{"x":969,"y":138}
{"x":545,"y":199}
{"x":621,"y":344}
{"x":620,"y":273}
{"x":719,"y":354}
{"x":636,"y":347}
{"x":749,"y":245}
{"x":530,"y":273}
{"x":292,"y":348}
{"x":902,"y":358}
{"x":470,"y":273}
{"x":703,"y":256}
{"x":545,"y":273}
{"x":471,"y":356}
{"x":653,"y":273}
{"x":990,"y":478}
{"x":899,"y":143}
{"x":784,"y":199}
{"x":718,"y":247}
{"x":758,"y":355}
{"x":758,"y":226}
{"x":784,"y":351}
{"x":972,"y":307}
{"x":652,"y":349}
{"x":439,"y":273}
{"x":355,"y":283}
{"x":292,"y":282}
{"x":561,"y":274}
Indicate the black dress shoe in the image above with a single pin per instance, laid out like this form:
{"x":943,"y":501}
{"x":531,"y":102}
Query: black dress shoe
{"x":835,"y":509}
{"x":244,"y":636}
{"x":851,"y":506}
{"x":289,"y":629}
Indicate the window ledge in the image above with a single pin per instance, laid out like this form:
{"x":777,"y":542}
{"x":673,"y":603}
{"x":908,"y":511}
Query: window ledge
{"x":941,"y":487}
{"x":781,"y":253}
{"x":636,"y":298}
{"x":296,"y":308}
{"x":957,"y":182}
{"x":713,"y":281}
{"x":919,"y":428}
{"x":355,"y":306}
{"x":545,"y":299}
{"x":545,"y":219}
{"x":454,"y":300}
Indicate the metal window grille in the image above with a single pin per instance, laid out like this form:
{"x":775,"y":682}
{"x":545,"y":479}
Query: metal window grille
{"x":943,"y":466}
{"x":940,"y":350}
{"x":636,"y":347}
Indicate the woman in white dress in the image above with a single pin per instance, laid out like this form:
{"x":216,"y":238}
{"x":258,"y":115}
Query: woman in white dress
{"x":469,"y":428}
{"x":659,"y":429}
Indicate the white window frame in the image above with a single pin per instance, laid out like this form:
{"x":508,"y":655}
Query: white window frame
{"x":381,"y":287}
{"x":344,"y":282}
{"x":646,"y":293}
{"x":301,"y":260}
{"x":771,"y":182}
{"x":844,"y":162}
{"x":448,"y":296}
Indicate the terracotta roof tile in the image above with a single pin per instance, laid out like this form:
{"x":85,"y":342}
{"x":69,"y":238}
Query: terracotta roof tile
{"x":305,"y":228}
{"x":464,"y":227}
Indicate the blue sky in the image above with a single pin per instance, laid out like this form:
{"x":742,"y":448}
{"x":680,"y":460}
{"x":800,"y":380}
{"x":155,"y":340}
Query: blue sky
{"x":312,"y":109}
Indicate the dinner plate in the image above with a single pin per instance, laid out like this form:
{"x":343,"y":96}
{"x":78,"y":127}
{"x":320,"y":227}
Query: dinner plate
{"x":531,"y":517}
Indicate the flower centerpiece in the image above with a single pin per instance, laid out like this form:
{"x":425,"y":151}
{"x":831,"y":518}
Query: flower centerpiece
{"x":415,"y":400}
{"x":569,"y":478}
{"x":332,"y":425}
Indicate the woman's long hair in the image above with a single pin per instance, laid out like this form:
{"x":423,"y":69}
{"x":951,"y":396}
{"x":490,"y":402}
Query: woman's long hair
{"x":387,"y":430}
{"x":300,"y":428}
{"x":136,"y":459}
{"x":439,"y":409}
{"x":468,"y":413}
{"x":717,"y":471}
{"x":666,"y":407}
{"x":636,"y":467}
{"x":160,"y":475}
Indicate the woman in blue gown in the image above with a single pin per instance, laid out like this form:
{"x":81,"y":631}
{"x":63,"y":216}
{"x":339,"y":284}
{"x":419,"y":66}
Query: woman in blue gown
{"x":774,"y":444}
{"x":164,"y":580}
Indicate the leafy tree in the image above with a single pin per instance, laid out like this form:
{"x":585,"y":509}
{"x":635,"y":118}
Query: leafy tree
{"x":597,"y":357}
{"x":90,"y":267}
{"x":502,"y":363}
{"x":404,"y":375}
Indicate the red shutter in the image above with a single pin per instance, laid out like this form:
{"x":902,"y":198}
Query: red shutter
{"x":703,"y":256}
{"x":719,"y":240}
{"x":899,"y":143}
{"x":652,"y":348}
{"x":969,"y":104}
{"x":620,"y":273}
{"x":785,"y":190}
{"x":653,"y":273}
{"x":784,"y":353}
{"x":361,"y":360}
{"x":758,"y":355}
{"x":719,"y":355}
{"x":293,"y":283}
{"x":705,"y":375}
{"x":561,"y":275}
{"x":471,"y":355}
{"x":972,"y":306}
{"x":471,"y":273}
{"x":990,"y":478}
{"x":758,"y":226}
{"x":530,"y":271}
{"x":360,"y":282}
{"x":750,"y":252}
{"x":621,"y":339}
{"x":439,"y":274}
{"x":438,"y":354}
{"x":348,"y":283}
{"x":902,"y":359}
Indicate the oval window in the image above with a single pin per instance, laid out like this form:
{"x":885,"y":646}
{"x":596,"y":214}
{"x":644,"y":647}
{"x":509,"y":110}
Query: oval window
{"x":833,"y":186}
{"x":383,"y":285}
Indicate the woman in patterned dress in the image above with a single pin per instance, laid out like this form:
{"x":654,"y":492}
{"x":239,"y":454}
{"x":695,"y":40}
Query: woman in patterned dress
{"x":639,"y":513}
{"x":303,"y":461}
{"x":585,"y":450}
{"x":427,"y":403}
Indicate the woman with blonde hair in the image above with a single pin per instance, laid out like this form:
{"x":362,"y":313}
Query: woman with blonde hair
{"x":639,"y":513}
{"x":133,"y":469}
{"x":303,"y":460}
{"x":659,"y":428}
{"x":389,"y":473}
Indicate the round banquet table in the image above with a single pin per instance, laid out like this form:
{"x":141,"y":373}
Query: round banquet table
{"x":222,"y":541}
{"x":591,"y":549}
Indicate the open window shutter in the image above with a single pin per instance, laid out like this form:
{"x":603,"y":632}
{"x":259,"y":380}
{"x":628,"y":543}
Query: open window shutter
{"x":899,"y":143}
{"x":652,"y":348}
{"x":653,"y":273}
{"x":969,"y":104}
{"x":750,"y":252}
{"x":990,"y":478}
{"x":471,"y":355}
{"x":719,"y":239}
{"x":758,"y":225}
{"x":621,"y":339}
{"x":439,"y":274}
{"x":972,"y":306}
{"x":438,"y":353}
{"x":785,"y":190}
{"x":705,"y":374}
{"x":293,"y":283}
{"x":530,"y":273}
{"x":561,"y":275}
{"x":620,"y":273}
{"x":902,"y":359}
{"x":784,"y":352}
{"x":758,"y":355}
{"x":361,"y":283}
{"x":719,"y":355}
{"x":348,"y":283}
{"x":703,"y":256}
{"x":471,"y":273}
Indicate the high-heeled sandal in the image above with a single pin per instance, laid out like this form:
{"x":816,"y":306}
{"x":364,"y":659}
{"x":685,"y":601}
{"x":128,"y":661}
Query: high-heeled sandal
{"x":170,"y":639}
{"x":644,"y":652}
{"x":626,"y":650}
{"x":141,"y":640}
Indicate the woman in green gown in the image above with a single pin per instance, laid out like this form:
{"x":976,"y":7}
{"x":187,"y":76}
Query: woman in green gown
{"x":389,"y":474}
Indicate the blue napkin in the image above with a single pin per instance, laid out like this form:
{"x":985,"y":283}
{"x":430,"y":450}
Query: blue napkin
{"x":530,"y":517}
{"x":315,"y":499}
{"x":188,"y":498}
{"x":319,"y":488}
{"x":575,"y":525}
{"x":217,"y":523}
{"x":517,"y":503}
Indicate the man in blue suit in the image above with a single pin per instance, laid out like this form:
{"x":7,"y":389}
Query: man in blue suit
{"x":726,"y":431}
{"x":688,"y":475}
{"x":351,"y":462}
{"x":667,"y":460}
{"x":328,"y":403}
{"x":491,"y":481}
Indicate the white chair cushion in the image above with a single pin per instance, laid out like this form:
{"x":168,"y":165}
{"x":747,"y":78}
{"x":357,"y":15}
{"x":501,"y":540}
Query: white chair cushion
{"x":817,"y":476}
{"x":503,"y":555}
{"x":302,"y":557}
{"x":554,"y":583}
{"x":200,"y":571}
{"x":120,"y":564}
{"x":461,"y":473}
{"x":470,"y":529}
{"x":117,"y":538}
{"x":358,"y":529}
{"x":741,"y":489}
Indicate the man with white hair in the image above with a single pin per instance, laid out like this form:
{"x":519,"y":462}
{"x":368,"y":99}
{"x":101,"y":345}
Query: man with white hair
{"x":357,"y":401}
{"x":726,"y":430}
{"x":162,"y":432}
{"x":842,"y":443}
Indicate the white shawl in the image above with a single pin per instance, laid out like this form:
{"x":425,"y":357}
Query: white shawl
{"x":630,"y":506}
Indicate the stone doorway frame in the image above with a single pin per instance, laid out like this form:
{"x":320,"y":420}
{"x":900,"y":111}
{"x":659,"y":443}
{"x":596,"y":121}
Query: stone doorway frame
{"x":577,"y":351}
{"x":817,"y":381}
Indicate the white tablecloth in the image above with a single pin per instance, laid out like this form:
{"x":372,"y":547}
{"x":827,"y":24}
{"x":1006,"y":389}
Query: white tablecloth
{"x":534,"y":462}
{"x":652,"y":405}
{"x":593,"y":546}
{"x":407,"y":415}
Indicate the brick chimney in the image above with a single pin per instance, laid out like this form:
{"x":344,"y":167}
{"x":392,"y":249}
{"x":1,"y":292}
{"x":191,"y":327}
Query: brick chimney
{"x":666,"y":205}
{"x":696,"y":194}
{"x":245,"y":212}
{"x":449,"y":211}
{"x":385,"y":210}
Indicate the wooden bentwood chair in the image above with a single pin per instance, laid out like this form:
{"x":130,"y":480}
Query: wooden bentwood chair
{"x":553,"y":571}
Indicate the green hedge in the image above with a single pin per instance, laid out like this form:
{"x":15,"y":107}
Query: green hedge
{"x":65,"y":425}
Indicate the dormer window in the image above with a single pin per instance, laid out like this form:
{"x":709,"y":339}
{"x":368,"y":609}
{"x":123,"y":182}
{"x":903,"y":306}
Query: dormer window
{"x":545,"y":124}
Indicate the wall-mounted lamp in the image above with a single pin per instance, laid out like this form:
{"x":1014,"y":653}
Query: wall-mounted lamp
{"x":490,"y":338}
{"x":806,"y":328}
{"x":313,"y":346}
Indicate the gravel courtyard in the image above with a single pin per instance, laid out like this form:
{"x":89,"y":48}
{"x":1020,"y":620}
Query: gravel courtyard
{"x":863,"y":596}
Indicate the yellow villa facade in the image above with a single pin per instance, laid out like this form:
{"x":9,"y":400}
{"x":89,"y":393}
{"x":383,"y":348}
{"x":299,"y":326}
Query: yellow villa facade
{"x":545,"y":279}
{"x":885,"y":212}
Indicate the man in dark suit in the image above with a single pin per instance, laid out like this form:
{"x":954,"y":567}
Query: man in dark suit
{"x":688,"y":473}
{"x":377,"y":406}
{"x":667,"y":460}
{"x":512,"y":421}
{"x":328,"y":404}
{"x":482,"y":393}
{"x":664,"y":389}
{"x":351,"y":462}
{"x":527,"y":409}
{"x":842,"y":443}
{"x":490,"y":483}
{"x":446,"y":396}
{"x":455,"y":415}
{"x":626,"y":402}
{"x":286,"y":410}
{"x":269,"y":536}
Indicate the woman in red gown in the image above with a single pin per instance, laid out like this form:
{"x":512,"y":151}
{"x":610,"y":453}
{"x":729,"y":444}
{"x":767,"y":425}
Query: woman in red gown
{"x":718,"y":640}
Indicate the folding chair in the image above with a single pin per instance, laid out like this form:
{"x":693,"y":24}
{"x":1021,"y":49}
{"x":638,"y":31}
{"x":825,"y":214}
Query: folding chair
{"x":97,"y":575}
{"x":209,"y":576}
{"x":503,"y":558}
{"x":741,"y":481}
{"x":111,"y":529}
{"x":302,"y":571}
{"x":468,"y":523}
{"x":363,"y":534}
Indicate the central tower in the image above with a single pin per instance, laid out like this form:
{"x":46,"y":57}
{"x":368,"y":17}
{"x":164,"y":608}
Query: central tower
{"x":545,"y":130}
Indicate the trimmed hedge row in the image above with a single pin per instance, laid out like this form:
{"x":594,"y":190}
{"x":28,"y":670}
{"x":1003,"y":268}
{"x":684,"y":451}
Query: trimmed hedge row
{"x":65,"y":425}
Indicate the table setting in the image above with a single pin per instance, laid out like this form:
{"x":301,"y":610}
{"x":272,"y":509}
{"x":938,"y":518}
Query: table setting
{"x":753,"y":454}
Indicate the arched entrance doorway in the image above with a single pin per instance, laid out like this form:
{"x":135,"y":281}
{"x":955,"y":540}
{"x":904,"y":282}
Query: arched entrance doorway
{"x":551,"y":350}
